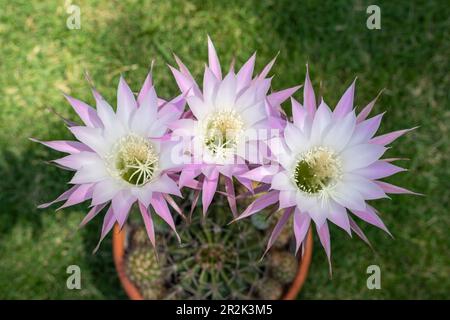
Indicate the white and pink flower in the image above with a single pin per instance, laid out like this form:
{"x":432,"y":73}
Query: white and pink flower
{"x":122,"y":157}
{"x":221,"y":128}
{"x":326,"y":164}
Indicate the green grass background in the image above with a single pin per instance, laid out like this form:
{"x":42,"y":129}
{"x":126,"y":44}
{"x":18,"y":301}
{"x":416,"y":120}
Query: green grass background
{"x":40,"y":57}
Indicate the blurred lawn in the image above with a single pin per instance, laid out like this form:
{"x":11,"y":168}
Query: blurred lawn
{"x":39,"y":57}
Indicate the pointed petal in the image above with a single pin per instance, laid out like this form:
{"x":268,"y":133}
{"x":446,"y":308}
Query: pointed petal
{"x":194,"y":201}
{"x":62,"y":197}
{"x":108,"y":224}
{"x":367,"y":109}
{"x":261,"y":174}
{"x":356,"y":229}
{"x":387,"y":138}
{"x":91,"y":214}
{"x":379,"y":169}
{"x":369,"y":215}
{"x":126,"y":103}
{"x":160,"y":206}
{"x":244,"y":76}
{"x":148,"y":222}
{"x":182,"y":67}
{"x":85,"y":112}
{"x":187,"y":176}
{"x":183,"y":82}
{"x":174,"y":205}
{"x":263,"y":87}
{"x":209,"y":189}
{"x":279,"y":227}
{"x":318,"y":211}
{"x":64,"y":146}
{"x":298,"y":113}
{"x":247,"y":98}
{"x":231,"y":197}
{"x":213,"y":60}
{"x":143,"y":194}
{"x":345,"y":104}
{"x":324,"y":236}
{"x":309,"y":99}
{"x":148,"y":84}
{"x":254,"y":114}
{"x":247,"y":183}
{"x":279,"y":97}
{"x":83,"y":192}
{"x":301,"y":227}
{"x":390,"y":188}
{"x":366,"y":130}
{"x":267,"y":69}
{"x":260,"y":203}
{"x":121,"y":204}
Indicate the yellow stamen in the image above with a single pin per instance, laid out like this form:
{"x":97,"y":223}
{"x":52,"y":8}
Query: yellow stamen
{"x":222,"y":132}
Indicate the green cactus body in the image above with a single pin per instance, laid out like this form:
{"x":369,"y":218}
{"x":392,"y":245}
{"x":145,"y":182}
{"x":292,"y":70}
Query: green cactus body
{"x":139,"y":237}
{"x":143,"y":268}
{"x":270,"y":289}
{"x":217,"y":260}
{"x":153,"y":292}
{"x":283,"y":266}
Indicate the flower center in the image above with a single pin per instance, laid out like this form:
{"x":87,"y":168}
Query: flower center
{"x":135,"y":159}
{"x":317,"y":169}
{"x":222,"y":132}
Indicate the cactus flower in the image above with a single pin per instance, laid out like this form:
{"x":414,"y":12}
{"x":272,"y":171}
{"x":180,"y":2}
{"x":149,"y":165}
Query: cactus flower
{"x":327,"y":165}
{"x":222,"y":118}
{"x":121,"y":157}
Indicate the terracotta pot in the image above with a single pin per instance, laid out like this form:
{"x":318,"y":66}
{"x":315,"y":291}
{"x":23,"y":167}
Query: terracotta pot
{"x":134,"y":294}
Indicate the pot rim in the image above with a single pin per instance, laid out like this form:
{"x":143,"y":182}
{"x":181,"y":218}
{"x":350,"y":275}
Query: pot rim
{"x":133,"y":293}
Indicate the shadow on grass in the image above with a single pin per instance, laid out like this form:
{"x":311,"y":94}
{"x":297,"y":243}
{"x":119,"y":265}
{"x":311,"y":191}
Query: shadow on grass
{"x":21,"y":184}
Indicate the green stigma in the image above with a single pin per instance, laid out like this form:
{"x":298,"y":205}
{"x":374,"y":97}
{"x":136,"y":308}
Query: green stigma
{"x":135,"y":160}
{"x":317,"y":169}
